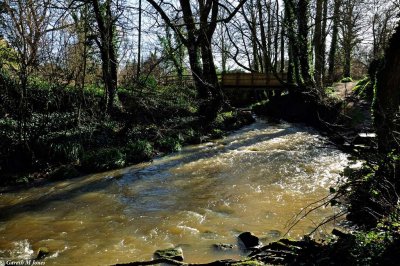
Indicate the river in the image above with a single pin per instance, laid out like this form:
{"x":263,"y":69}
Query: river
{"x":256,"y":179}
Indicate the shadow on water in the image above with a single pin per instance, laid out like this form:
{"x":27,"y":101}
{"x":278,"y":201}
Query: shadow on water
{"x":42,"y":201}
{"x":158,"y":169}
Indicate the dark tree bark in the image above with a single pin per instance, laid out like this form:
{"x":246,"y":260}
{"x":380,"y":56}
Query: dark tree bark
{"x":387,"y":96}
{"x":334,"y":41}
{"x":293,"y":49}
{"x":106,"y":25}
{"x":318,"y":46}
{"x":283,"y":33}
{"x":253,"y":29}
{"x":302,"y":22}
{"x":139,"y":54}
{"x":324,"y":34}
{"x":276,"y":37}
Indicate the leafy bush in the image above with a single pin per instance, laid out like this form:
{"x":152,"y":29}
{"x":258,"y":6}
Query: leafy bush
{"x":364,"y":88}
{"x":217,"y":133}
{"x":148,"y":81}
{"x":66,"y":152}
{"x":169,"y":144}
{"x":139,"y":150}
{"x":103,"y":159}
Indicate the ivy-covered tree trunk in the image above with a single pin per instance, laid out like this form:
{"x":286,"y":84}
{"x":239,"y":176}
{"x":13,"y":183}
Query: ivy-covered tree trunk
{"x":294,"y":75}
{"x":318,"y":46}
{"x":214,"y":100}
{"x":106,"y":24}
{"x":302,"y":22}
{"x":334,"y":41}
{"x":387,"y":97}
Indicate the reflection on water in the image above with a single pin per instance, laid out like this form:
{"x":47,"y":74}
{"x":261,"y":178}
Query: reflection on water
{"x":254,"y":180}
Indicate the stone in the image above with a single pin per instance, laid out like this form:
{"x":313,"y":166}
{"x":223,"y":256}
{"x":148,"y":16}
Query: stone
{"x":170,"y":253}
{"x":42,"y":253}
{"x":249,"y":240}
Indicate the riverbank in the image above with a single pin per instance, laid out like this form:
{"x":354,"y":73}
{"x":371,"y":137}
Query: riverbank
{"x":368,"y":198}
{"x":67,"y":135}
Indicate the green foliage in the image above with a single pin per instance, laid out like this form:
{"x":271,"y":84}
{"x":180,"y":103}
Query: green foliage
{"x":66,"y":152}
{"x":139,"y":150}
{"x":169,"y":144}
{"x":94,"y":90}
{"x":217,"y":133}
{"x":224,"y":118}
{"x":37,"y":83}
{"x":8,"y":56}
{"x":158,"y":104}
{"x":148,"y":81}
{"x":377,"y":246}
{"x":24,"y":179}
{"x":364,"y":88}
{"x":191,"y":136}
{"x":346,"y":80}
{"x":371,"y":190}
{"x":103,"y":159}
{"x":231,"y":120}
{"x":329,"y":90}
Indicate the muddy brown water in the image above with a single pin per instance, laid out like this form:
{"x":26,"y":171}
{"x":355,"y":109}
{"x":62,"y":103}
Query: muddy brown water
{"x":254,"y":180}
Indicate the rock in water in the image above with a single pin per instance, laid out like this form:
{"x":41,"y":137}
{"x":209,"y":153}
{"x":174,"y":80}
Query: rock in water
{"x":42,"y":253}
{"x":170,"y":253}
{"x":249,"y":240}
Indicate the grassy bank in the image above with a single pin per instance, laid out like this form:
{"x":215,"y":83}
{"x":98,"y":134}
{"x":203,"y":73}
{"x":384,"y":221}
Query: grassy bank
{"x":65,"y":133}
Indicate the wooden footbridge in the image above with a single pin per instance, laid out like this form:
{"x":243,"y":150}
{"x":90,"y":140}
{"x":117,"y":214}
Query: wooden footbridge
{"x":239,"y":81}
{"x":252,"y":81}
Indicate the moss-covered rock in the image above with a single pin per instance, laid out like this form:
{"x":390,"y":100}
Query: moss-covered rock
{"x":103,"y":159}
{"x":170,"y":253}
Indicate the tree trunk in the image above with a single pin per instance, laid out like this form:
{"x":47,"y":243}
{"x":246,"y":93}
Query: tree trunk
{"x":318,"y":46}
{"x":294,"y":66}
{"x":263,"y":38}
{"x":282,"y":66}
{"x":348,"y":37}
{"x":276,"y":37}
{"x":334,"y":41}
{"x":302,"y":21}
{"x":324,"y":34}
{"x":253,"y":29}
{"x":106,"y":24}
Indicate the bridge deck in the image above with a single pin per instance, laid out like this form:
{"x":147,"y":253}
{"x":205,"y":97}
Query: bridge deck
{"x":252,"y":81}
{"x":242,"y":81}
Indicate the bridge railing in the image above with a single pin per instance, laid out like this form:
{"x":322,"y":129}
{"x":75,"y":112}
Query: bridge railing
{"x":236,"y":80}
{"x":252,"y":80}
